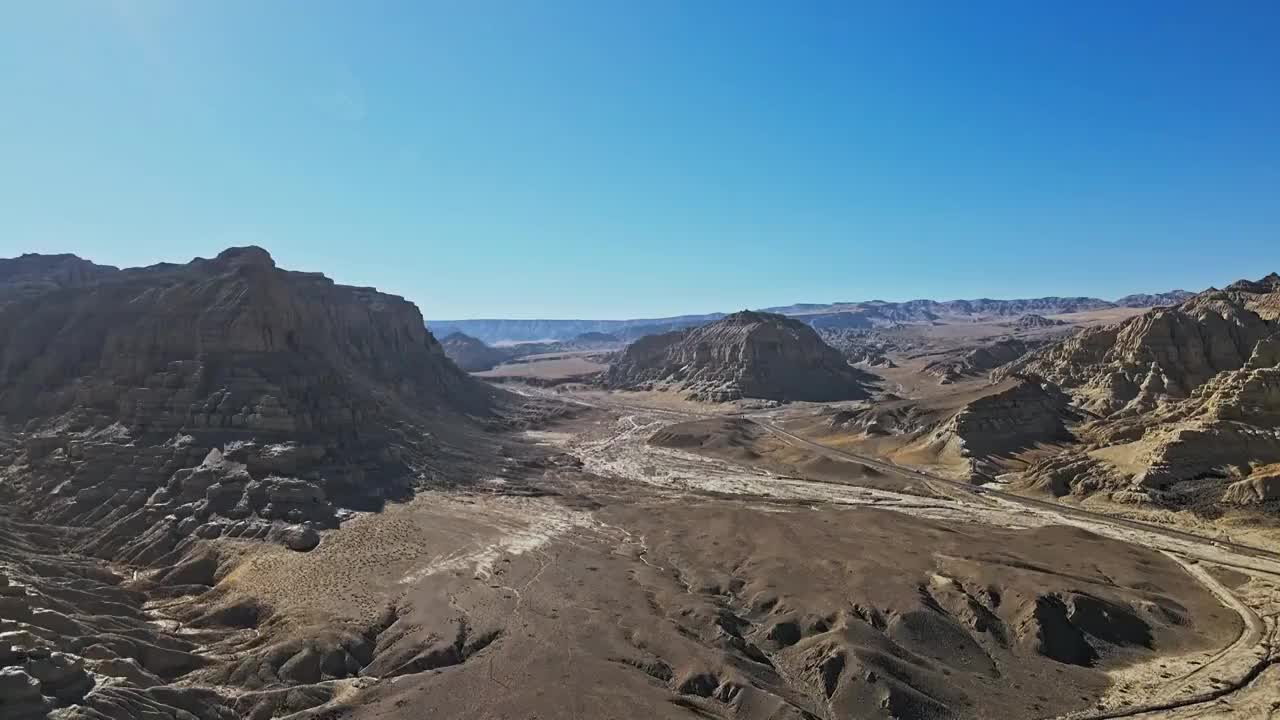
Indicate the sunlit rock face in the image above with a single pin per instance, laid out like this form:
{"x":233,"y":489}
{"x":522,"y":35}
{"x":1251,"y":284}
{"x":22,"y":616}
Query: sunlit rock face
{"x":220,"y":397}
{"x":745,"y":355}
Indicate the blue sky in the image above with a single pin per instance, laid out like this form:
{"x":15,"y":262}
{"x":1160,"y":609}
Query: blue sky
{"x":619,"y":159}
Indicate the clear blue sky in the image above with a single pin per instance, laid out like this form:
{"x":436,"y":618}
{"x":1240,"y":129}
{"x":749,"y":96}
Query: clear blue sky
{"x":615,"y":158}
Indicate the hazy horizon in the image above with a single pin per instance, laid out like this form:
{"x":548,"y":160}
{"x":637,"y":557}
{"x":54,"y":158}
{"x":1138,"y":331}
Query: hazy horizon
{"x":606,"y":160}
{"x":695,"y":313}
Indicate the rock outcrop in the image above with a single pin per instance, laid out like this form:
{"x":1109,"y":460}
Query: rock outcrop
{"x":147,"y":411}
{"x":1021,"y":416}
{"x":1026,"y":413}
{"x":1035,"y":322}
{"x":745,"y":355}
{"x":470,"y":354}
{"x":981,"y":360}
{"x":224,"y":396}
{"x":1262,"y":486}
{"x":32,"y":275}
{"x":1150,"y":300}
{"x":860,"y":346}
{"x":1167,"y":352}
{"x":1179,"y":394}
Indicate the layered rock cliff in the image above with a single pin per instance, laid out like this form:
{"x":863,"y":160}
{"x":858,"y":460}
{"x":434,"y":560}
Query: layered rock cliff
{"x":1146,"y":300}
{"x":146,"y":411}
{"x":1014,"y":418}
{"x":1180,"y":394}
{"x":224,"y":396}
{"x":745,"y":355}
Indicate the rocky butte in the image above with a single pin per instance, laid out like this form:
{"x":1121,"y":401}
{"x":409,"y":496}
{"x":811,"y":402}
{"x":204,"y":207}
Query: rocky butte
{"x":142,"y":410}
{"x":744,"y":355}
{"x":224,"y":395}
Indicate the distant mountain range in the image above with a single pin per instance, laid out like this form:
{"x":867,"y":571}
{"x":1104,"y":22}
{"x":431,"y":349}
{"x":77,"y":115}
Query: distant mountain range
{"x":851,"y":315}
{"x":504,"y":331}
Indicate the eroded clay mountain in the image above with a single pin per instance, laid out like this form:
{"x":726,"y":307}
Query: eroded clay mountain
{"x":32,"y":275}
{"x":1032,"y":322}
{"x":145,"y":410}
{"x":222,"y":389}
{"x":980,"y":360}
{"x":1166,"y":352}
{"x":1025,"y":412}
{"x":1180,"y":394}
{"x":745,"y":355}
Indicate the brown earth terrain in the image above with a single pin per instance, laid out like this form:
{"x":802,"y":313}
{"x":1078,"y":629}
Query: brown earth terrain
{"x":235,"y":491}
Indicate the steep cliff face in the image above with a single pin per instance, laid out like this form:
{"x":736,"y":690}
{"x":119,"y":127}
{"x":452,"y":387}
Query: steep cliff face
{"x":224,"y":396}
{"x":1229,"y":423}
{"x":745,"y":355}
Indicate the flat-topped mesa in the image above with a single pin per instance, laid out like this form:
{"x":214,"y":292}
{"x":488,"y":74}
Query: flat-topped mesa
{"x":192,"y":327}
{"x":744,"y":355}
{"x":121,"y":386}
{"x":747,"y":318}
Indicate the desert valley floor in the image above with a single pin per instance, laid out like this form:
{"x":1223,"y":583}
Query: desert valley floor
{"x":602,"y":573}
{"x":234,"y":491}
